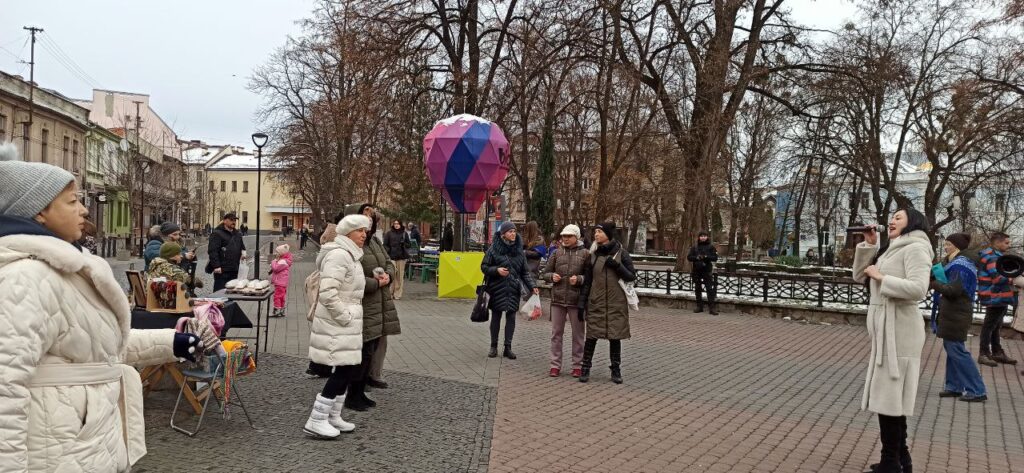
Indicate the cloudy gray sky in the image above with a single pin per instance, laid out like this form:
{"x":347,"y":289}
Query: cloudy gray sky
{"x":193,"y":57}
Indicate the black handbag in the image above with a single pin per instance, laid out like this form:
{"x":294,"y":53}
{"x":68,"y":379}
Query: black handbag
{"x":480,"y":312}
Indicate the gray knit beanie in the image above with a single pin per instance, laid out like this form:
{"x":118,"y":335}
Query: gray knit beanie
{"x":28,"y":188}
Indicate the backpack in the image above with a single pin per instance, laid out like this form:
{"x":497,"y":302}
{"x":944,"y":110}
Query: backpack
{"x":312,"y":293}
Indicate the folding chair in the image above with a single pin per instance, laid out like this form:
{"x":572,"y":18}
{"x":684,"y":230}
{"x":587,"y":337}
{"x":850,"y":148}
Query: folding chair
{"x":214,"y":378}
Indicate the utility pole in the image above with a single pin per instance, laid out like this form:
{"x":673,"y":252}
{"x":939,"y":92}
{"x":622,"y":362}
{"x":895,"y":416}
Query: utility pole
{"x":142,"y":179}
{"x":31,"y":87}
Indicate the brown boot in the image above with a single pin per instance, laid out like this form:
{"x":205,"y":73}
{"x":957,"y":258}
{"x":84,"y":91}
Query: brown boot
{"x":1002,"y":358}
{"x":986,"y":360}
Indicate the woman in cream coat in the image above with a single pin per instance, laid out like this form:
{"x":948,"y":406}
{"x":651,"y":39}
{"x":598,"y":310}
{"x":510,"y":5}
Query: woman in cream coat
{"x":899,"y":276}
{"x":336,"y":337}
{"x":69,"y":401}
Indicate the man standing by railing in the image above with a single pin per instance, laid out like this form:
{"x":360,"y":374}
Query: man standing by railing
{"x":703,"y":256}
{"x":996,"y":296}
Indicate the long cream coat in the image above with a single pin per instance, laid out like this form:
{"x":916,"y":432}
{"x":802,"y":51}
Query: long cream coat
{"x":336,"y":337}
{"x":895,"y":323}
{"x":62,"y":316}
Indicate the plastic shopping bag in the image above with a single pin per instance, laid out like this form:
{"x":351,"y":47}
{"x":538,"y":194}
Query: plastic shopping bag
{"x":243,"y":270}
{"x":631,"y":296}
{"x":532,"y":308}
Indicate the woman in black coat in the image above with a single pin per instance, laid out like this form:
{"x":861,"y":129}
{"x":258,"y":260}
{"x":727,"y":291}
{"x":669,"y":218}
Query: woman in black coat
{"x":506,"y":275}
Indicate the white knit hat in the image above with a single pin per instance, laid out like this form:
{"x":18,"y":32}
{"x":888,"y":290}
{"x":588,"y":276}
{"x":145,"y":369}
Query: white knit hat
{"x":571,"y":230}
{"x":28,"y":188}
{"x":352,"y":223}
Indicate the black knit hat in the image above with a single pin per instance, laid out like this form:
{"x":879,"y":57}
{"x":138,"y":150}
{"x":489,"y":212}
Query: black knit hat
{"x":960,"y":240}
{"x":168,"y":228}
{"x":608,"y":228}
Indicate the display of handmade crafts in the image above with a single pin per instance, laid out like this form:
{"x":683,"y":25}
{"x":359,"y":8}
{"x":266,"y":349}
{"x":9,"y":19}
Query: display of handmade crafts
{"x":166,"y":293}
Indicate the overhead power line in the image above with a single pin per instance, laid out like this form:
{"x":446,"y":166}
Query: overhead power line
{"x":65,"y":60}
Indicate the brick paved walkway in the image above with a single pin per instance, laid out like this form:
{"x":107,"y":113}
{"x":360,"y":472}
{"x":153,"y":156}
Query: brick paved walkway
{"x":720,"y":394}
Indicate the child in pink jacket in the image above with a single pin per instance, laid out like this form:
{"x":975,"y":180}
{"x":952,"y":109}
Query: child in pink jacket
{"x":280,"y":269}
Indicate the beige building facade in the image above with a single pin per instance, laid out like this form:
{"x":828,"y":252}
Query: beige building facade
{"x":230,"y":186}
{"x":55,"y":133}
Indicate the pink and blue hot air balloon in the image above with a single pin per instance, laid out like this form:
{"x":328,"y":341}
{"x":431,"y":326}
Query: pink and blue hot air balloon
{"x":466,"y":158}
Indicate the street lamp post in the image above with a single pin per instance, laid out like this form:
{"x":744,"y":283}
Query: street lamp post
{"x":260,"y":140}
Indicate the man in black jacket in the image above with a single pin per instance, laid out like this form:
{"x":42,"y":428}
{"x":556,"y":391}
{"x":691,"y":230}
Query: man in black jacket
{"x":703,"y":256}
{"x":226,"y":251}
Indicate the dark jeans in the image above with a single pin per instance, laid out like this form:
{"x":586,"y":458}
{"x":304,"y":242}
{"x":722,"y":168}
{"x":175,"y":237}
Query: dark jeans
{"x":707,"y":280}
{"x":990,"y":330}
{"x":510,"y":326}
{"x":221,"y":280}
{"x":339,"y":380}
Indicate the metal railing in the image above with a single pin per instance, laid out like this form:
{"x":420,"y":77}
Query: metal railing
{"x":769,"y":287}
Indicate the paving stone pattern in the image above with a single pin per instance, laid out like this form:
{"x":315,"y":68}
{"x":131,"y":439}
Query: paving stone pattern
{"x":731,"y":393}
{"x":423,"y":424}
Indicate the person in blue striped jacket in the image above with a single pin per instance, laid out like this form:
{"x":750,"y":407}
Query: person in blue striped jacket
{"x":996,"y":296}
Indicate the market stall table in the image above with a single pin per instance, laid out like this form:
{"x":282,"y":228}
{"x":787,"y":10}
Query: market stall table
{"x":262,"y":319}
{"x":143,"y":319}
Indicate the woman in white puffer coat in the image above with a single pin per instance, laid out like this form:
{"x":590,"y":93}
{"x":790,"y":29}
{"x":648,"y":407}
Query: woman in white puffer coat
{"x":336,"y":337}
{"x":69,"y":401}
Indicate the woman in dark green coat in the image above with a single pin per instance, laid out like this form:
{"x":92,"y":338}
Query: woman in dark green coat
{"x":603,"y":300}
{"x":380,"y":317}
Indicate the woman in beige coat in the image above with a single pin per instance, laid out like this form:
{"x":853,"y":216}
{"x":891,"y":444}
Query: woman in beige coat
{"x":899,"y":274}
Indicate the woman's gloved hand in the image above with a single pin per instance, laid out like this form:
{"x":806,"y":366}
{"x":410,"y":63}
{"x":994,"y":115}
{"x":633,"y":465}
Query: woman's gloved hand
{"x":185,"y":346}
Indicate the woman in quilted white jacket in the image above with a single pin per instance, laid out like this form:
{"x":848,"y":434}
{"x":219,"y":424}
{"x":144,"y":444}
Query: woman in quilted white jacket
{"x":336,"y":335}
{"x":69,"y":401}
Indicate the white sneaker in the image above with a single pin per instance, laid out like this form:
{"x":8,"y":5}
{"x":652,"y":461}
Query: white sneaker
{"x":335,"y":418}
{"x":318,"y":426}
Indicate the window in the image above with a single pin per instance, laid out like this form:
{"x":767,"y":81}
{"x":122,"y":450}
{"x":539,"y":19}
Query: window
{"x":221,"y":212}
{"x":212,"y":187}
{"x":44,"y":146}
{"x":1000,"y":202}
{"x":245,"y":216}
{"x":3,"y":128}
{"x":26,"y":130}
{"x":74,"y":155}
{"x":245,"y":186}
{"x":223,"y":187}
{"x":67,"y":148}
{"x":234,"y":186}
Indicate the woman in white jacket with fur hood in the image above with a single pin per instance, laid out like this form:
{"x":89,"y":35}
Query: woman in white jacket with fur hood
{"x":336,"y":335}
{"x":70,"y":399}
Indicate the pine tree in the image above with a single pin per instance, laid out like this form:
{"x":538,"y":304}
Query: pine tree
{"x":542,"y":206}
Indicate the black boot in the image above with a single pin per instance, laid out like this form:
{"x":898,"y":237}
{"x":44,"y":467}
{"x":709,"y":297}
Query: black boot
{"x":615,"y":352}
{"x":507,"y":353}
{"x":494,"y":352}
{"x":905,"y":460}
{"x":891,"y":436}
{"x":588,"y":359}
{"x":713,"y":306}
{"x":354,"y":401}
{"x":700,"y":308}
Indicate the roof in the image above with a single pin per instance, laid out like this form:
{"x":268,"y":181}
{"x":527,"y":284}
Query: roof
{"x":241,"y":161}
{"x":200,"y":154}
